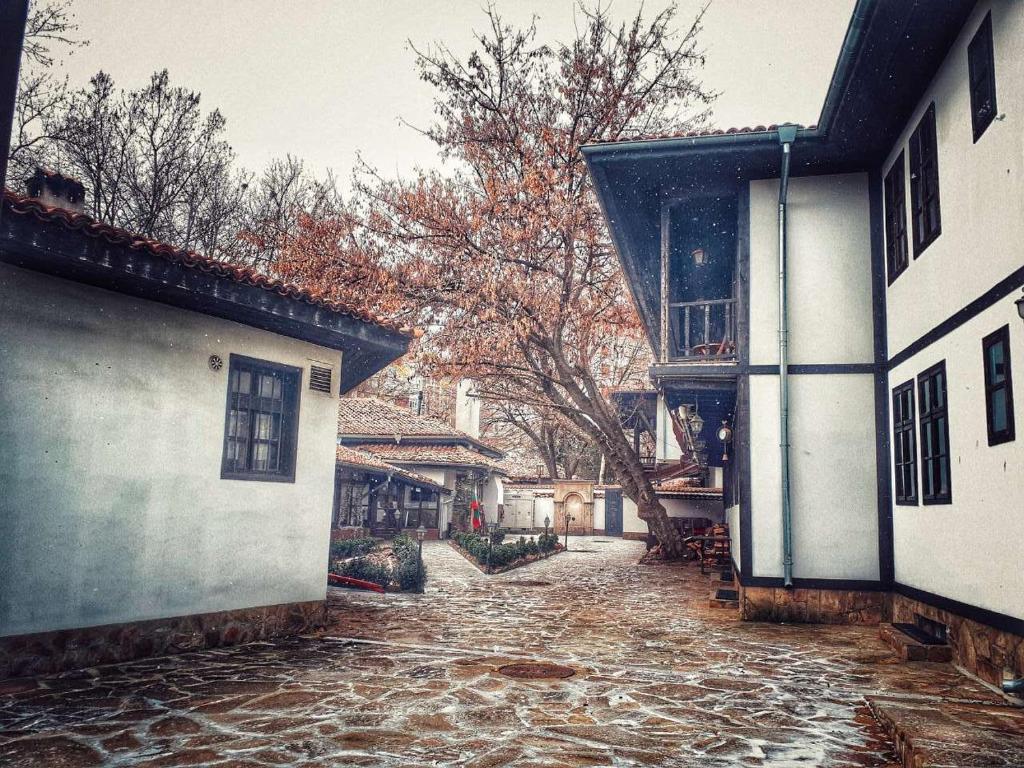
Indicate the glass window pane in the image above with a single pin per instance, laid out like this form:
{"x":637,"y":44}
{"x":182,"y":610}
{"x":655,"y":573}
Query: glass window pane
{"x":999,"y":420}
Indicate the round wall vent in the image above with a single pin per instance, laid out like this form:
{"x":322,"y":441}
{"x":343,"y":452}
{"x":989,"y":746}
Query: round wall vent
{"x":216,"y":363}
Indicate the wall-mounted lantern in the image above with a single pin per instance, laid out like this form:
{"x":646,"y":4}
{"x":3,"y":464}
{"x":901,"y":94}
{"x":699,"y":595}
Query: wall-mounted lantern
{"x":1020,"y":306}
{"x":700,"y":257}
{"x":725,"y":435}
{"x":696,"y":423}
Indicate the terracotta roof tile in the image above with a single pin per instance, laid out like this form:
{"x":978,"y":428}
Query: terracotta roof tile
{"x":365,"y":460}
{"x":702,"y":133}
{"x":431,"y":455}
{"x":28,"y":206}
{"x":370,"y":417}
{"x":684,"y":486}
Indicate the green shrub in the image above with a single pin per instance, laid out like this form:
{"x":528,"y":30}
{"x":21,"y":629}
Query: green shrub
{"x":367,"y":570}
{"x":352,"y":547}
{"x":407,"y":570}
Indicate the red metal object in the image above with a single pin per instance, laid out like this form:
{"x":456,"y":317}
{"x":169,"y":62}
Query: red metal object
{"x":347,"y":581}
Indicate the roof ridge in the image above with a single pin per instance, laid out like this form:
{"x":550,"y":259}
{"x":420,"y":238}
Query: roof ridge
{"x":30,"y":206}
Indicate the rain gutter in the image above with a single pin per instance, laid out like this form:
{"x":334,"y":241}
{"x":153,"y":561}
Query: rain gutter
{"x":787,"y":135}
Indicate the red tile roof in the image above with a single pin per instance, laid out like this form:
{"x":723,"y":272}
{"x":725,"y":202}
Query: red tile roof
{"x":365,"y":460}
{"x":683,"y":486}
{"x":28,"y":206}
{"x":372,"y":418}
{"x":430,"y":455}
{"x":702,"y":133}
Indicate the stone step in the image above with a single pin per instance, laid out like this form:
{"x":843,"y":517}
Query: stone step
{"x":943,"y":734}
{"x":724,"y":598}
{"x":909,"y":649}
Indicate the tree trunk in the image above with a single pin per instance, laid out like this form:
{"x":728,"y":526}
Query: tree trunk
{"x":661,"y":527}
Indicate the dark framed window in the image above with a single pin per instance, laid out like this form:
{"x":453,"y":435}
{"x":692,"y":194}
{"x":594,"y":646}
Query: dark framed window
{"x":896,"y":256}
{"x":998,"y":386}
{"x":904,"y":444}
{"x":933,"y":423}
{"x":924,"y":182}
{"x":981,"y":71}
{"x":262,"y":421}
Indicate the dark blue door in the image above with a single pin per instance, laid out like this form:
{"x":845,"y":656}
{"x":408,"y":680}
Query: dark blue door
{"x":613,"y":512}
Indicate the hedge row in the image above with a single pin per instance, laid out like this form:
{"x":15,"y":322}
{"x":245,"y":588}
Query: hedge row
{"x":502,"y":554}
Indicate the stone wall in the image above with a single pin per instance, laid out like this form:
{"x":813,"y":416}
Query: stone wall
{"x":349,"y":532}
{"x":48,"y":652}
{"x":980,"y":649}
{"x":812,"y":606}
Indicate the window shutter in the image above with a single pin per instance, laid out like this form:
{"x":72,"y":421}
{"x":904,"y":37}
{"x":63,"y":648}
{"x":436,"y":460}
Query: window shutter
{"x":320,"y":379}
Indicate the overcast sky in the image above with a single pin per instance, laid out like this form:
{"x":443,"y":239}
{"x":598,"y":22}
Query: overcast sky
{"x":323,"y":79}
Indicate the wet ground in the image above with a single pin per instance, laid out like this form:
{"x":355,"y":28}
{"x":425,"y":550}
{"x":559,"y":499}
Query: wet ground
{"x":407,"y":680}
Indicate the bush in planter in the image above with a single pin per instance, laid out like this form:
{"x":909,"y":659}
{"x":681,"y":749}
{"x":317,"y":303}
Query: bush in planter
{"x":341,"y":550}
{"x":532,"y":548}
{"x":367,"y":570}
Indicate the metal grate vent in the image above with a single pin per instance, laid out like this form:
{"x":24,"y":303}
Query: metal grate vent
{"x":320,"y":379}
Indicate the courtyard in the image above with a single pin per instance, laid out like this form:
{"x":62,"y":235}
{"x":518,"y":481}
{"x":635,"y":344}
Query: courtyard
{"x":660,"y":678}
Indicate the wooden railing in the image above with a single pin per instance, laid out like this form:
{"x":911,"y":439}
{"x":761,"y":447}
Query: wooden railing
{"x":704,"y":330}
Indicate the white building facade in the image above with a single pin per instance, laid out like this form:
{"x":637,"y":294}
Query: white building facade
{"x":889,"y":484}
{"x":167,"y":444}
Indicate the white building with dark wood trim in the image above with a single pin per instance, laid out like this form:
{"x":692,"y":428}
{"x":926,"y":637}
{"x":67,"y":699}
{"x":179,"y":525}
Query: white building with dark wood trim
{"x":875,"y":469}
{"x":167,"y":441}
{"x":462,"y":469}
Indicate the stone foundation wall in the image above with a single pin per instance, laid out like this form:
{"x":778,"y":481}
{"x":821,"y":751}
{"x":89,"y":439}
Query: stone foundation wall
{"x":48,"y":652}
{"x":811,"y":606}
{"x":634,"y":536}
{"x":980,"y":649}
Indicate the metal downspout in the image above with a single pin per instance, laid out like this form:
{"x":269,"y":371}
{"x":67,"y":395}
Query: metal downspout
{"x":787,"y":135}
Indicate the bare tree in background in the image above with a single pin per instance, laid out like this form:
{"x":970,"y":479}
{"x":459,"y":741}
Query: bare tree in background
{"x":50,"y":33}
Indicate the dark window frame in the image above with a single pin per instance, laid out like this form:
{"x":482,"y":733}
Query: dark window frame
{"x":933,"y":427}
{"x":897,"y":252}
{"x":291,"y":387}
{"x":924,"y":182}
{"x":981,"y":78}
{"x":997,"y":437}
{"x":903,"y":423}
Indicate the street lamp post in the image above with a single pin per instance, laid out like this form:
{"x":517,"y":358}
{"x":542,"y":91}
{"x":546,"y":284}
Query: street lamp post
{"x":547,"y":522}
{"x":567,"y":519}
{"x":421,"y":534}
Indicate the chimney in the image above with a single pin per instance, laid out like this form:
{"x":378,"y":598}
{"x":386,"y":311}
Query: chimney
{"x":57,"y":190}
{"x":467,"y":408}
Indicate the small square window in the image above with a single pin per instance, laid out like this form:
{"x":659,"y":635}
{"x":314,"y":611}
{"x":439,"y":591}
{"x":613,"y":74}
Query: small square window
{"x":981,"y":70}
{"x":262,"y":421}
{"x":998,"y":386}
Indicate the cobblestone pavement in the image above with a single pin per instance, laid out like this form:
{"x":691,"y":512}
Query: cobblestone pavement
{"x":408,"y":680}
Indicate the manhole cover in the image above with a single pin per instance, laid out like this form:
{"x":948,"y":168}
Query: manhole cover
{"x":529,"y":583}
{"x":537,"y":671}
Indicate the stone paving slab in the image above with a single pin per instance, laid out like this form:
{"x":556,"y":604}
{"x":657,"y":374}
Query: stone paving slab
{"x":953,"y":735}
{"x":411,"y":680}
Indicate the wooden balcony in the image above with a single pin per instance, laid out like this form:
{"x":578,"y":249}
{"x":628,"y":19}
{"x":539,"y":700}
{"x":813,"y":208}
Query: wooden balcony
{"x":702,"y":330}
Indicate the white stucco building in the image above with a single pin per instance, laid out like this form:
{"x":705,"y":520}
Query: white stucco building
{"x":875,"y":469}
{"x":167,"y":441}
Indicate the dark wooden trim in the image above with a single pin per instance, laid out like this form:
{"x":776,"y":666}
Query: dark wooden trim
{"x":992,"y":296}
{"x":883,"y":490}
{"x":1008,"y":435}
{"x":1000,"y":621}
{"x":814,"y":369}
{"x":53,"y":250}
{"x":856,"y":585}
